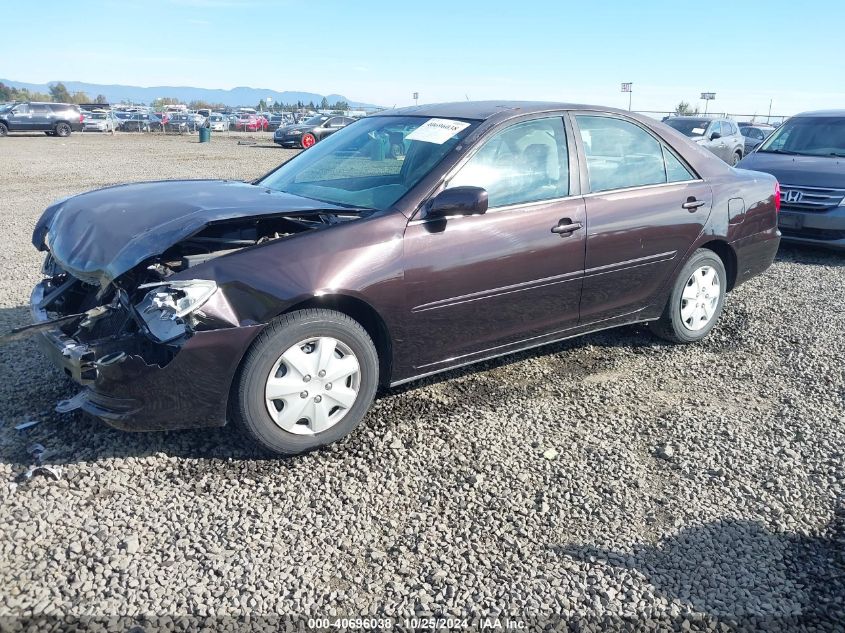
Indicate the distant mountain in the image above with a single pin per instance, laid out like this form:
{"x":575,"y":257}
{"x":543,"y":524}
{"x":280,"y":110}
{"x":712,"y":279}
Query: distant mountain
{"x":241,"y":96}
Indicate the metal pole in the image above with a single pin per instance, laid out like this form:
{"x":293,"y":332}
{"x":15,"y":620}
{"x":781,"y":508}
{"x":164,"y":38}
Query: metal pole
{"x":706,"y":102}
{"x":770,"y":111}
{"x":630,"y":94}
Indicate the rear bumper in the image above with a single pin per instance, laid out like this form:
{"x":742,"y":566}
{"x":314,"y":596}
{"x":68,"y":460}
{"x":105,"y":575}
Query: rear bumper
{"x":128,"y":393}
{"x":755,"y":253}
{"x":826,"y":228}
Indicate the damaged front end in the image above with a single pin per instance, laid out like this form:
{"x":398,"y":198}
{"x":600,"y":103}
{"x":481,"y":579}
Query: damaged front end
{"x":154,"y":348}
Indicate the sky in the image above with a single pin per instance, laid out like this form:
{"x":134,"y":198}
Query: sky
{"x":748,"y":52}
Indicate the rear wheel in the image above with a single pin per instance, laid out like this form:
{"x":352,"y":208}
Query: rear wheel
{"x":696,"y":301}
{"x":3,"y":129}
{"x":307,"y":381}
{"x":308,"y":140}
{"x":62,"y":129}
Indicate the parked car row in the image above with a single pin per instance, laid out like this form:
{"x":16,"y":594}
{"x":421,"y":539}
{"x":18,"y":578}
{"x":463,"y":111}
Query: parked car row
{"x":61,"y":119}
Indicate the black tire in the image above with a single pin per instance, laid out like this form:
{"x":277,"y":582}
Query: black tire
{"x":4,"y":131}
{"x":737,"y":157}
{"x":62,"y":130}
{"x":249,"y":408}
{"x":671,"y":325}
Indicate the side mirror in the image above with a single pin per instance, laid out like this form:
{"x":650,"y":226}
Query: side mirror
{"x":457,"y":201}
{"x":714,"y":136}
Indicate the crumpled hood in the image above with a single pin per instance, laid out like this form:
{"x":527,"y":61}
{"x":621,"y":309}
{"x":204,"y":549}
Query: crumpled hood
{"x":99,"y":235}
{"x":806,"y":171}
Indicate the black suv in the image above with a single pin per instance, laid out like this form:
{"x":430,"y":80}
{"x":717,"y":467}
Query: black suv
{"x":54,"y":119}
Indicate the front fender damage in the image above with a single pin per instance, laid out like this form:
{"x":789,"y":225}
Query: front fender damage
{"x":131,"y":381}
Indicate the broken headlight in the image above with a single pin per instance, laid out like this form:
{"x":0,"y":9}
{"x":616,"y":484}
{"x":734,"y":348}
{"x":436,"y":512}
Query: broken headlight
{"x":167,"y":308}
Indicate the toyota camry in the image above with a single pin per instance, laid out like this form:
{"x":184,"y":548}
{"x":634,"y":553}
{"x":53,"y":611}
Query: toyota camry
{"x":405,"y":244}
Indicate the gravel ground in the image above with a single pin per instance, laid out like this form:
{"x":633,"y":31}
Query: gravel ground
{"x":609,"y":479}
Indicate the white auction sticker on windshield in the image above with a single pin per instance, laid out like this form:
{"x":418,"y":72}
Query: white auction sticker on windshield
{"x":437,"y":131}
{"x":698,"y":130}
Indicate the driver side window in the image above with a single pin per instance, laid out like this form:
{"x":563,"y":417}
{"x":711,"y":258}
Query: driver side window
{"x":526,"y":162}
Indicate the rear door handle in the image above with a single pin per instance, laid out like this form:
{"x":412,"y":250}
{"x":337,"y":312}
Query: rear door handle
{"x":566,"y":226}
{"x":692,"y":204}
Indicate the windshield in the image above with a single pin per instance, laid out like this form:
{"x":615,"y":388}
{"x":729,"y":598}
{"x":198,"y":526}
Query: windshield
{"x":689,"y":127}
{"x":808,"y":136}
{"x":370,"y":163}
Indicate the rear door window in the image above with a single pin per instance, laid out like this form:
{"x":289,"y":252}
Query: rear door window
{"x":620,"y":154}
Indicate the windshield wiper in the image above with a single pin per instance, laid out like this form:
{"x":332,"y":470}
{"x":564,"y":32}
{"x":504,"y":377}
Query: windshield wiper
{"x":780,"y":151}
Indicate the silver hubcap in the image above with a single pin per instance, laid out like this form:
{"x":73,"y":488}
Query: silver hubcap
{"x":313,"y":385}
{"x":700,"y":298}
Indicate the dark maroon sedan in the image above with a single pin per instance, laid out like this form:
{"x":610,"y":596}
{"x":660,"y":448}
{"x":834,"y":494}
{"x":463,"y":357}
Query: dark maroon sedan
{"x":404,"y":245}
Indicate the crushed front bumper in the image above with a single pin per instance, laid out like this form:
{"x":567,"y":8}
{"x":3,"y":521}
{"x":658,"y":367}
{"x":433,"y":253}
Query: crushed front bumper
{"x":128,"y":393}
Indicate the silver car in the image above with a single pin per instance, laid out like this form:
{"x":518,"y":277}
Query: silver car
{"x":218,"y":122}
{"x":99,"y":121}
{"x":720,"y":136}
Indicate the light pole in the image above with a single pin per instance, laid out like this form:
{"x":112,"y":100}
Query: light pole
{"x":708,"y":97}
{"x":628,"y":87}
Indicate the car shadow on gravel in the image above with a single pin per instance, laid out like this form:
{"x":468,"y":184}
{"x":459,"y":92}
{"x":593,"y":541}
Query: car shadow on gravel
{"x":733,"y":570}
{"x":576,"y":357}
{"x":75,"y":437}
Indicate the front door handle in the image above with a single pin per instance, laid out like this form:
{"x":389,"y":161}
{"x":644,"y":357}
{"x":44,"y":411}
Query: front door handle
{"x":692,"y":204}
{"x":566,"y":226}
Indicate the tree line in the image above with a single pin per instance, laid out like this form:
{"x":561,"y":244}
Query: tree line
{"x":60,"y":94}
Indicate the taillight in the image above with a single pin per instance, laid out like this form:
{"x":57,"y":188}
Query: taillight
{"x":81,"y":117}
{"x":777,"y":197}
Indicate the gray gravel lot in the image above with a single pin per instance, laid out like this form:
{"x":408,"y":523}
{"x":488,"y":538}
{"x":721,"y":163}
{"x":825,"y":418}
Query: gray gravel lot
{"x":612,"y":476}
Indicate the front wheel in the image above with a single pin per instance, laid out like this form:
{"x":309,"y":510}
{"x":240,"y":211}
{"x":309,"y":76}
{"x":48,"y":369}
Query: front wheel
{"x":63,"y":130}
{"x":308,"y":140}
{"x":736,"y":158}
{"x":307,"y":381}
{"x":3,"y":129}
{"x":696,"y":301}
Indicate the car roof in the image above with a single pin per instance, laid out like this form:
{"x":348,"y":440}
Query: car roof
{"x":822,"y":113}
{"x":483,"y":110}
{"x":52,"y":103}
